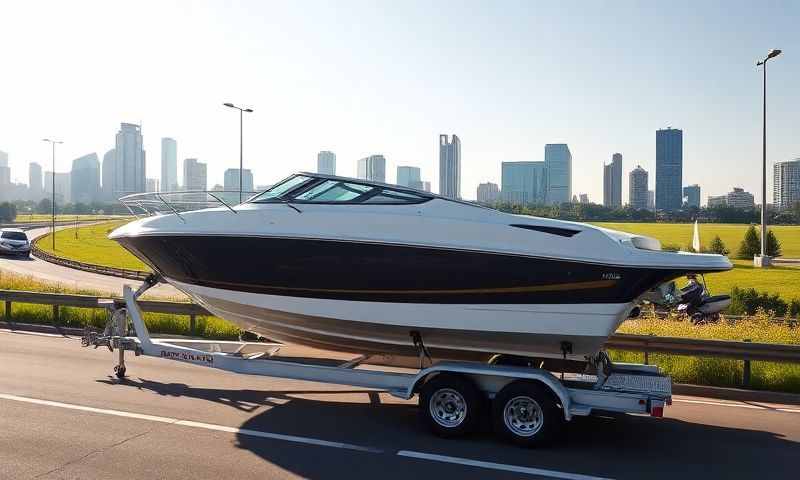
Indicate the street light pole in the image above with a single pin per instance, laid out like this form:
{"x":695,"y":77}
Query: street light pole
{"x":53,"y":178}
{"x":241,"y":144}
{"x":763,"y":63}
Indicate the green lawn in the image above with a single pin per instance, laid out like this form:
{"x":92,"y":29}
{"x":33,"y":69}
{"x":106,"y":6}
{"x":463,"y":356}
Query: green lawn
{"x":45,"y":217}
{"x":784,"y":281}
{"x":92,"y":246}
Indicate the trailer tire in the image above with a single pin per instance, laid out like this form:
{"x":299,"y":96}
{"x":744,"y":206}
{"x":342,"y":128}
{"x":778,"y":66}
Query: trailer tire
{"x":526,"y":413}
{"x":450,"y":405}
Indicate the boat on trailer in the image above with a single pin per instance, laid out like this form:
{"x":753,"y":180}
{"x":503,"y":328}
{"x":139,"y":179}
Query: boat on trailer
{"x":357,"y":266}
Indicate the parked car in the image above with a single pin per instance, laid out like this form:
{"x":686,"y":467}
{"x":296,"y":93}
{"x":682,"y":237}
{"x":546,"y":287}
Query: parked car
{"x":13,"y":241}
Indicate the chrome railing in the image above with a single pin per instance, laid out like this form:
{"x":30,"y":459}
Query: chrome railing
{"x":164,"y":203}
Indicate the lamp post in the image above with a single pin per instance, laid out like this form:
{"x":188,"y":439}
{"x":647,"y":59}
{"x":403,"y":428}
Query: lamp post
{"x":772,"y":54}
{"x":53,"y":178}
{"x":241,"y":163}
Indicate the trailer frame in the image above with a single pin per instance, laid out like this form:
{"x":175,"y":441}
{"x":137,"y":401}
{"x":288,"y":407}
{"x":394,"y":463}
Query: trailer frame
{"x":626,"y":388}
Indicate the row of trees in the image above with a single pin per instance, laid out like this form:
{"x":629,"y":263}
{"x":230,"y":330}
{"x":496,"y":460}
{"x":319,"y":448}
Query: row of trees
{"x":749,"y":247}
{"x":591,"y":212}
{"x":45,"y":206}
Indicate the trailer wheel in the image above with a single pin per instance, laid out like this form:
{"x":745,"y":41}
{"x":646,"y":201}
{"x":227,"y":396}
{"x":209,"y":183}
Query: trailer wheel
{"x":526,"y":413}
{"x":451,"y":405}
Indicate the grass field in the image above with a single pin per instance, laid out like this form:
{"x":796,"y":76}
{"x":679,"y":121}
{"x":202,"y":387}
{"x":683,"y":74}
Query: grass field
{"x":92,"y":246}
{"x":205,"y":326}
{"x":44,"y":217}
{"x":784,"y":281}
{"x":719,"y":372}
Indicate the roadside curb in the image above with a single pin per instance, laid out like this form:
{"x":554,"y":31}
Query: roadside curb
{"x":86,"y":267}
{"x":735,"y":394}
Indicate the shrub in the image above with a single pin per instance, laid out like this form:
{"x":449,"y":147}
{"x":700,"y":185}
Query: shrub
{"x":794,"y":308}
{"x":718,"y":247}
{"x":8,"y":212}
{"x":748,"y":301}
{"x":773,"y":245}
{"x":751,"y":244}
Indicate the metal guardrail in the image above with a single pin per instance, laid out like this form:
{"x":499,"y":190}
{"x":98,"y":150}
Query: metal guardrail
{"x":57,"y":300}
{"x":87,"y":267}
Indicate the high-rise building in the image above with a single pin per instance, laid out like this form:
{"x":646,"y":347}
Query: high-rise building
{"x":63,"y":188}
{"x":169,"y":165}
{"x":488,"y":193}
{"x":584,"y":198}
{"x":372,"y":168}
{"x":232,"y":181}
{"x":692,"y":195}
{"x":35,"y":181}
{"x":738,"y":198}
{"x":326,"y":162}
{"x":558,"y":161}
{"x":421,"y":185}
{"x":637,"y":194}
{"x":153,"y":185}
{"x":786,"y":184}
{"x":407,"y":175}
{"x":109,"y":176}
{"x":612,"y":182}
{"x":5,"y":170}
{"x":669,"y":169}
{"x":651,"y":200}
{"x":129,"y":160}
{"x":523,"y":183}
{"x":85,"y":179}
{"x":194,"y":175}
{"x":717,"y":201}
{"x":449,"y":166}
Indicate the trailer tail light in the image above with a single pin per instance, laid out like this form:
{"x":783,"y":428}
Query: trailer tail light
{"x":657,"y":412}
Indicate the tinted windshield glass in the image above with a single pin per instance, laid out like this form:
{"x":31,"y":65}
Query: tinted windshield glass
{"x":281,"y":188}
{"x":13,"y":236}
{"x":393,"y":196}
{"x":333,"y":191}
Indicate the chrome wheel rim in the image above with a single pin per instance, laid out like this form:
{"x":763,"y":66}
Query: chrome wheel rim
{"x":448,"y":407}
{"x":523,"y":416}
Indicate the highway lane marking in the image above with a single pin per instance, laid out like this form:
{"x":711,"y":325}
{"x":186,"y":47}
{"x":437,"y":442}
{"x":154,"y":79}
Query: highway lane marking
{"x":191,"y":424}
{"x":737,"y":405}
{"x":302,"y":440}
{"x":497,"y":466}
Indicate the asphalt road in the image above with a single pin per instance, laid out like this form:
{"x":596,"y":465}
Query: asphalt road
{"x":77,"y":279}
{"x":62,"y":415}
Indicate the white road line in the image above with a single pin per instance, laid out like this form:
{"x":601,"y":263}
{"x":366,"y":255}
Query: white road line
{"x":497,"y":466}
{"x":26,"y":332}
{"x":737,"y":405}
{"x":191,"y":424}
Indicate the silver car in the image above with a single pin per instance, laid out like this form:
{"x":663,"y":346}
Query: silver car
{"x":13,"y":241}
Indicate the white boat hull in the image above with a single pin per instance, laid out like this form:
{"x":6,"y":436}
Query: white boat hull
{"x":463,"y":331}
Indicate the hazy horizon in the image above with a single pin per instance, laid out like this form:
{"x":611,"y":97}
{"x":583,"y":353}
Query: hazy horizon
{"x":361,"y":78}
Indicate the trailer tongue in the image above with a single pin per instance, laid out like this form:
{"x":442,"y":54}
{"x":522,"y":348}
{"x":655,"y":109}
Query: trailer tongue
{"x":527,"y":405}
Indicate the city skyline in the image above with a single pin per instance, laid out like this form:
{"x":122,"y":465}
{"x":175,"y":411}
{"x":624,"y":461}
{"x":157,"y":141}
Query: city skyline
{"x":506,"y":106}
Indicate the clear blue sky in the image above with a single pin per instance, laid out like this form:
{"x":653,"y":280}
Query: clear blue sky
{"x":387,"y":77}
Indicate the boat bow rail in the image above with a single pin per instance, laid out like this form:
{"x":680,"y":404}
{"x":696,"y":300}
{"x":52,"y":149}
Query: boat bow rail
{"x":164,"y":203}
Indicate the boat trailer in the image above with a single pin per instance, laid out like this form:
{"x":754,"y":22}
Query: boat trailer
{"x":527,"y":406}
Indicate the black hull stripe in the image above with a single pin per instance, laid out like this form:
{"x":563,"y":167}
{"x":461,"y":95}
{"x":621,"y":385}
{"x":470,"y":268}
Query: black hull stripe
{"x":387,"y":273}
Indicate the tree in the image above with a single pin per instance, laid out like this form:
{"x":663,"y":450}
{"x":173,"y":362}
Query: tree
{"x":718,"y":247}
{"x":751,"y":244}
{"x":44,"y":206}
{"x":773,"y":245}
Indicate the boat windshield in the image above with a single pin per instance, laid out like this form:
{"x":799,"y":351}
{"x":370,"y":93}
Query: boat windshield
{"x":281,"y":189}
{"x":306,"y":189}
